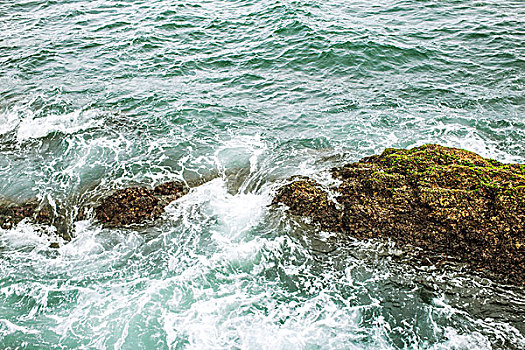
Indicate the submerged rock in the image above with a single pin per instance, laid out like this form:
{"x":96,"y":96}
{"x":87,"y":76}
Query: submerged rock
{"x":452,"y":203}
{"x":136,"y":205}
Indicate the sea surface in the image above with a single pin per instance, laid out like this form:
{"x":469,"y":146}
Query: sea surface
{"x":104,"y":94}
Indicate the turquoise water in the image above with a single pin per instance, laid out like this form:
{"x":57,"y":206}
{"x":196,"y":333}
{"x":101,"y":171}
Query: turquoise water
{"x":96,"y":95}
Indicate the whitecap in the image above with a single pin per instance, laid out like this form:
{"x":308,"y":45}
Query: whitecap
{"x":31,"y":127}
{"x":7,"y":327}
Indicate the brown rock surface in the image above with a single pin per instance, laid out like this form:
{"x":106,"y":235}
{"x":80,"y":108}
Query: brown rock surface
{"x":127,"y":206}
{"x":12,"y":213}
{"x":452,"y":203}
{"x":136,"y":205}
{"x":123,"y":207}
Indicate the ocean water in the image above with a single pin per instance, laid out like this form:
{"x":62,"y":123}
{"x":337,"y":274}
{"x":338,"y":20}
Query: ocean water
{"x":104,"y":94}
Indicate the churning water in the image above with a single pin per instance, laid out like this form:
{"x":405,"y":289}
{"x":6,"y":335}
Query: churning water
{"x":104,"y":94}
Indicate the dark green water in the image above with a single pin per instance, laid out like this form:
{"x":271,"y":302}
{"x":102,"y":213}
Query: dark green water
{"x":96,"y":95}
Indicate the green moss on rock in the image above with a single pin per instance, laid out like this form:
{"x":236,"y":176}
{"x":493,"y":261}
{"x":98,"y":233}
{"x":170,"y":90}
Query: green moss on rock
{"x":450,"y":202}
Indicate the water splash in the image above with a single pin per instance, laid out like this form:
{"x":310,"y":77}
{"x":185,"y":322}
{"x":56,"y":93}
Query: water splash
{"x":97,"y":96}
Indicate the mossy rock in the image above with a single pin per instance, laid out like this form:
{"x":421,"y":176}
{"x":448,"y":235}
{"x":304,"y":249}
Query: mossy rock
{"x":306,"y":197}
{"x":453,"y":203}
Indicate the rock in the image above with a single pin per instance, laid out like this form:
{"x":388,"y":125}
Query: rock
{"x":137,"y":205}
{"x":12,"y":213}
{"x":134,"y":205}
{"x":452,"y":203}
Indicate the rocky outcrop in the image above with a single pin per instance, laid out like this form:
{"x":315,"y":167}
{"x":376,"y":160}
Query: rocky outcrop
{"x":136,"y":205}
{"x":12,"y":213}
{"x":452,"y":203}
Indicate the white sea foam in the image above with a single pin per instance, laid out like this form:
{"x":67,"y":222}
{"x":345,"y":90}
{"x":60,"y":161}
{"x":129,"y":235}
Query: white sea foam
{"x":209,"y":277}
{"x":241,"y":313}
{"x":7,"y":327}
{"x":457,"y":340}
{"x":9,"y":120}
{"x":240,"y":151}
{"x":235,"y":316}
{"x":30,"y":127}
{"x":226,"y":296}
{"x":28,"y":235}
{"x":86,"y":242}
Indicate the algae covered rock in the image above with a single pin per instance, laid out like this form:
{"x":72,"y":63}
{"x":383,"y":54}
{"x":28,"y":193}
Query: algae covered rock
{"x":136,"y":205}
{"x":452,"y":203}
{"x":306,"y":197}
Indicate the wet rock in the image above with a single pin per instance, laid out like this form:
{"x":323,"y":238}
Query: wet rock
{"x":306,"y":197}
{"x":12,"y":213}
{"x":123,"y":207}
{"x":137,"y":205}
{"x":452,"y":203}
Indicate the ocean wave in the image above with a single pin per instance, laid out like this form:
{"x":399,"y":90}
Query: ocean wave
{"x":238,"y":96}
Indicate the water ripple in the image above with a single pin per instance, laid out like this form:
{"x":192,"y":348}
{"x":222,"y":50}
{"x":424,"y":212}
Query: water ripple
{"x":96,"y":95}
